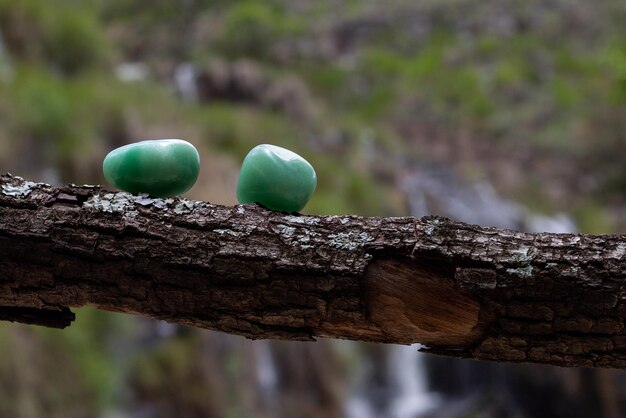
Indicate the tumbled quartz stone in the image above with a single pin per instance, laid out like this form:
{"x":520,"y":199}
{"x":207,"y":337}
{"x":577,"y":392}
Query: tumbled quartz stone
{"x":276,"y":178}
{"x":159,"y":167}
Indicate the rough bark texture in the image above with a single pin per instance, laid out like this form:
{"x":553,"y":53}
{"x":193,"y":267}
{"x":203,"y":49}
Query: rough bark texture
{"x":459,"y":289}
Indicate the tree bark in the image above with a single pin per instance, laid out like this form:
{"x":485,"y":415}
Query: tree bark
{"x":458,"y":289}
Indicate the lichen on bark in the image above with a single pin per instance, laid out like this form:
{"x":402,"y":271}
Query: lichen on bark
{"x":461,"y":290}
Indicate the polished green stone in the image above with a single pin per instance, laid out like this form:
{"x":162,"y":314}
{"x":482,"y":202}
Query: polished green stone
{"x":160,"y":168}
{"x":276,"y":178}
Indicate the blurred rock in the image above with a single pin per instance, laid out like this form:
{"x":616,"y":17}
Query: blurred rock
{"x":245,"y":81}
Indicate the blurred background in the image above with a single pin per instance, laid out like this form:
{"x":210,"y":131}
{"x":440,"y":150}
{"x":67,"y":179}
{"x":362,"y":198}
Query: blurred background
{"x":503,"y":113}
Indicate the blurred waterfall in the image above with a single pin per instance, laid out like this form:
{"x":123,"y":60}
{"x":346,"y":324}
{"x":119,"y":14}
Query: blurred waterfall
{"x":436,"y":190}
{"x":185,"y":82}
{"x":132,"y":72}
{"x":408,"y":376}
{"x":266,"y":374}
{"x":439,"y":191}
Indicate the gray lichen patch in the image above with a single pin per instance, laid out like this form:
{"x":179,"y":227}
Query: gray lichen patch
{"x":122,"y":202}
{"x":522,"y":272}
{"x":238,"y":231}
{"x":481,"y":240}
{"x":163,"y":203}
{"x":183,"y":207}
{"x":618,"y":252}
{"x":113,"y":203}
{"x":521,"y":258}
{"x":303,"y":220}
{"x":85,"y":186}
{"x":285,"y":230}
{"x":304,"y":241}
{"x":20,"y":190}
{"x":430,"y":224}
{"x":521,"y":251}
{"x":222,"y":231}
{"x":349,"y":240}
{"x":297,"y":237}
{"x":144,"y":200}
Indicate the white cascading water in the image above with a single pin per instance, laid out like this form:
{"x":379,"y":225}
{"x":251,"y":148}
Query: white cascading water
{"x":408,"y":375}
{"x":439,"y":191}
{"x":185,"y":82}
{"x":266,"y":375}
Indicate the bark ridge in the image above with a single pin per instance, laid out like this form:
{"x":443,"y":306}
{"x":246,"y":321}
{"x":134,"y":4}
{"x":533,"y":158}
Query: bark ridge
{"x":458,"y":289}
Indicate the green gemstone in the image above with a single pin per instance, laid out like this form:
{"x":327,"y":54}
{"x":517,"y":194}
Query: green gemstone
{"x":276,"y":178}
{"x":160,"y":168}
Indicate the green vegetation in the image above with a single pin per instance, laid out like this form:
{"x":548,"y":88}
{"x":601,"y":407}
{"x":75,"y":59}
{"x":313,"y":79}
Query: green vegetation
{"x":538,"y":90}
{"x":250,"y":28}
{"x":67,"y":38}
{"x":519,"y":87}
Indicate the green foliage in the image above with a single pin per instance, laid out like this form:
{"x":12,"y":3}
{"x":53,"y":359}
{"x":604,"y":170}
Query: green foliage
{"x":43,"y":104}
{"x":614,"y":58}
{"x":566,"y":95}
{"x":451,"y":89}
{"x":89,"y":341}
{"x":174,"y":378}
{"x":238,"y":129}
{"x":327,"y":80}
{"x":547,"y":87}
{"x":76,"y":42}
{"x":40,"y":377}
{"x":66,"y":37}
{"x":592,"y":219}
{"x":250,"y":28}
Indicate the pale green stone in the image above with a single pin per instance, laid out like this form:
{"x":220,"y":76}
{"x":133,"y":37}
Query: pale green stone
{"x":276,"y":178}
{"x":160,"y":168}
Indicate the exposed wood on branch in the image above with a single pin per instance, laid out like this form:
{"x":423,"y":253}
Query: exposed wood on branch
{"x":460,"y":290}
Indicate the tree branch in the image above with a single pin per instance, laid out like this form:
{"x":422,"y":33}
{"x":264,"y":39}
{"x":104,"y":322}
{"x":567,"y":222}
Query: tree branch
{"x":460,"y":290}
